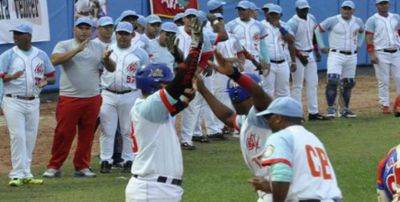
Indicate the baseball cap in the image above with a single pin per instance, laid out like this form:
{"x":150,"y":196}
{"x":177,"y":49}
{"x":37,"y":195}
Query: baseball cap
{"x":169,"y":27}
{"x":253,"y":6}
{"x":214,"y":4}
{"x":124,"y":27}
{"x":128,"y":13}
{"x":23,"y":28}
{"x":142,"y":21}
{"x":218,"y":15}
{"x":178,"y":16}
{"x":349,"y":4}
{"x":245,"y":5}
{"x":275,"y":9}
{"x":190,"y":11}
{"x":153,"y":19}
{"x":380,"y":1}
{"x":267,"y":6}
{"x":284,"y":106}
{"x":201,"y":15}
{"x":84,"y":20}
{"x":104,"y":21}
{"x":300,"y":4}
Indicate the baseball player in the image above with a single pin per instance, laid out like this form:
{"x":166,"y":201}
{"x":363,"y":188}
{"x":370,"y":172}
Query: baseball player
{"x":153,"y":23}
{"x":346,"y":35}
{"x":132,"y":17}
{"x":141,"y":25}
{"x":302,"y":26}
{"x":79,"y":103}
{"x":276,"y":83}
{"x":119,"y":95}
{"x":178,"y":19}
{"x":158,"y":168}
{"x":26,"y":70}
{"x":250,"y":34}
{"x":105,"y":27}
{"x":286,"y":152}
{"x":248,"y":98}
{"x":383,"y":44}
{"x":388,"y":183}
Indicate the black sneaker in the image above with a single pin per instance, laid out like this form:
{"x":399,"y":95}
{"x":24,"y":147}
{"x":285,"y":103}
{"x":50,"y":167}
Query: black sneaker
{"x":127,"y":167}
{"x":317,"y":117}
{"x":201,"y":139}
{"x":105,"y":167}
{"x":187,"y":146}
{"x":217,"y":136}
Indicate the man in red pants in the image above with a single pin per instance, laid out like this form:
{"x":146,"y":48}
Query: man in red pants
{"x":81,"y":61}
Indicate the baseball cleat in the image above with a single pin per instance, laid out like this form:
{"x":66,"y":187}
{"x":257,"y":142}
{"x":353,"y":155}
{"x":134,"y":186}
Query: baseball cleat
{"x":16,"y":182}
{"x":347,"y":114}
{"x":105,"y":167}
{"x":86,"y":172}
{"x":217,"y":136}
{"x":331,"y":112}
{"x":187,"y":146}
{"x":127,"y":167}
{"x":201,"y":138}
{"x":385,"y":110}
{"x":317,"y":117}
{"x":32,"y":181}
{"x":51,"y":172}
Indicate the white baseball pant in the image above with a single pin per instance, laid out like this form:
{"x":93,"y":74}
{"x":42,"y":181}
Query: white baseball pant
{"x":115,"y":109}
{"x":310,"y":75}
{"x":141,"y":190}
{"x":344,"y":65}
{"x":22,"y":118}
{"x":388,"y":64}
{"x":276,"y":83}
{"x":220,"y":92}
{"x":264,"y":197}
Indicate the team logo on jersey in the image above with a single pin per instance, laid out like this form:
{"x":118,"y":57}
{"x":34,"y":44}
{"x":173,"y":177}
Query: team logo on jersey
{"x":253,"y":142}
{"x":269,"y":151}
{"x":156,"y":73}
{"x":39,"y":68}
{"x":256,"y":37}
{"x":131,"y":67}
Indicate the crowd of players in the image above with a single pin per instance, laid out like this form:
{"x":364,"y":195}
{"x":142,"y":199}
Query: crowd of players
{"x":138,"y":74}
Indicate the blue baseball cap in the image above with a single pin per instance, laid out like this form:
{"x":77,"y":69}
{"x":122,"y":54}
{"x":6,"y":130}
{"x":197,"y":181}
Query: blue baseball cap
{"x":128,"y":13}
{"x":218,"y":15}
{"x":253,"y":6}
{"x":104,"y":21}
{"x":245,"y":5}
{"x":169,"y":27}
{"x":380,"y":1}
{"x":267,"y":6}
{"x":236,"y":92}
{"x":301,"y":4}
{"x":284,"y":106}
{"x":153,"y":19}
{"x":190,"y":11}
{"x":23,"y":28}
{"x":142,"y":21}
{"x":178,"y":16}
{"x":349,"y":4}
{"x":275,"y":9}
{"x":201,"y":15}
{"x":214,"y":4}
{"x":83,"y":20}
{"x":124,"y":27}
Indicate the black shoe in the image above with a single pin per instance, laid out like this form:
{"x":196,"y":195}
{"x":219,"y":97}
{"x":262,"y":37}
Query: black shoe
{"x":187,"y":146}
{"x":127,"y":167}
{"x":317,"y":117}
{"x":202,"y":139}
{"x":105,"y":167}
{"x":217,"y":136}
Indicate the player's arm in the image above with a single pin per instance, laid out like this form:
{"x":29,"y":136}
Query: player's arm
{"x":61,"y":58}
{"x":280,"y":190}
{"x":369,"y":39}
{"x":219,"y":28}
{"x":108,"y":63}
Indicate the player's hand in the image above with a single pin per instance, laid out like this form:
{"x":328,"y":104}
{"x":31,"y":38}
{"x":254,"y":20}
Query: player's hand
{"x":107,"y":53}
{"x":82,"y":45}
{"x":175,"y":51}
{"x":198,"y":81}
{"x":325,"y":50}
{"x":211,"y":17}
{"x":293,"y":67}
{"x":374,"y":59}
{"x":17,"y":74}
{"x":264,"y":68}
{"x":42,"y":83}
{"x":317,"y":56}
{"x":225,"y":66}
{"x":260,"y":183}
{"x":303,"y":59}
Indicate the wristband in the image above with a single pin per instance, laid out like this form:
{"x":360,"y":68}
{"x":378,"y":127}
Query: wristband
{"x":370,"y":48}
{"x":283,"y":31}
{"x":235,"y":75}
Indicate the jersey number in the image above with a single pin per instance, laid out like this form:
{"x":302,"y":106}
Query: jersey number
{"x":130,"y":79}
{"x":318,"y":167}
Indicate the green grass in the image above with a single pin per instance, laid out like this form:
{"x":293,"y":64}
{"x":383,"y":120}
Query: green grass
{"x":216,"y":171}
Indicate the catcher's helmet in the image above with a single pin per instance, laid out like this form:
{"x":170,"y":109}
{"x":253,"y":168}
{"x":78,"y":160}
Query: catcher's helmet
{"x":149,"y":79}
{"x":238,"y":93}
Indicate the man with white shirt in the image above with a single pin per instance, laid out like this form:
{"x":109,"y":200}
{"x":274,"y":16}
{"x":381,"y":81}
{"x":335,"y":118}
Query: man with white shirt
{"x":105,"y":30}
{"x":383,"y":47}
{"x":346,"y":33}
{"x":132,"y":17}
{"x":153,"y":23}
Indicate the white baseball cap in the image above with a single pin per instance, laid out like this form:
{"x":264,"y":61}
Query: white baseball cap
{"x":275,"y":9}
{"x":349,"y":4}
{"x":245,"y":5}
{"x":178,"y":16}
{"x":128,"y":13}
{"x":104,"y":21}
{"x":214,"y":4}
{"x":124,"y":27}
{"x":153,"y":19}
{"x":169,"y":27}
{"x":301,"y":4}
{"x":267,"y":6}
{"x":23,"y":28}
{"x":83,"y":20}
{"x":380,"y":1}
{"x":284,"y":106}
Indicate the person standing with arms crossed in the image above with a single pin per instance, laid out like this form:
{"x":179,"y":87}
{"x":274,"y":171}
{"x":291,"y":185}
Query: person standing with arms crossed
{"x":383,"y":45}
{"x":26,"y":71}
{"x":79,"y":103}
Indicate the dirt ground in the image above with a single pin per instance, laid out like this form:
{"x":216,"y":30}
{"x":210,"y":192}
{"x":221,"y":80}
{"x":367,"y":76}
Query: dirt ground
{"x":364,"y":99}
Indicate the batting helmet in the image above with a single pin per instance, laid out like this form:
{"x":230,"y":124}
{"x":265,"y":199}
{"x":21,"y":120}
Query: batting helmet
{"x":150,"y":78}
{"x":238,"y":93}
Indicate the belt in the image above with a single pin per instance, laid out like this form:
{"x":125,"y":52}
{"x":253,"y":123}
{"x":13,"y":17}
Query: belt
{"x":388,"y":50}
{"x":308,"y":51}
{"x":344,"y":52}
{"x":21,"y":97}
{"x":310,"y":200}
{"x":118,"y":92}
{"x":277,"y":61}
{"x":163,"y":179}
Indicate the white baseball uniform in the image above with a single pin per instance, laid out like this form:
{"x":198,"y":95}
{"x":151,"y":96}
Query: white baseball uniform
{"x":276,"y":83}
{"x":387,"y":44}
{"x":160,"y":54}
{"x":313,"y":176}
{"x":158,"y":164}
{"x":21,"y":103}
{"x":140,"y":41}
{"x":254,"y":132}
{"x":303,"y":31}
{"x":249,"y":34}
{"x":119,"y":95}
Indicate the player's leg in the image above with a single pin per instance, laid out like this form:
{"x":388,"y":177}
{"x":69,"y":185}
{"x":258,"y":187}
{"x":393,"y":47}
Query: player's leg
{"x":395,"y":72}
{"x":220,"y":82}
{"x":382,"y":70}
{"x":282,"y":80}
{"x":268,"y":81}
{"x":334,"y":66}
{"x":189,"y":121}
{"x":32,"y":117}
{"x":348,"y":82}
{"x":108,"y":125}
{"x":15,"y":118}
{"x":213,"y":129}
{"x":86,"y":126}
{"x":297,"y":81}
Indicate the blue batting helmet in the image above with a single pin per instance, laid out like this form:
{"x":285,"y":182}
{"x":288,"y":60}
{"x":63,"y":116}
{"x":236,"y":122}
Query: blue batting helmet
{"x":150,"y":78}
{"x":238,"y":93}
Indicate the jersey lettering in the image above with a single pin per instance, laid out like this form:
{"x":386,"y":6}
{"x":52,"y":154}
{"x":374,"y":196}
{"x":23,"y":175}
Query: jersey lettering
{"x":318,"y":162}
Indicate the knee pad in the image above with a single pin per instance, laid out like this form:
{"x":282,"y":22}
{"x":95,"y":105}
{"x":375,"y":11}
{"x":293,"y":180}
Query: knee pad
{"x":333,"y":81}
{"x":348,"y":83}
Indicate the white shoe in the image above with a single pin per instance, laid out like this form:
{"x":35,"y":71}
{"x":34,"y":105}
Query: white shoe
{"x":86,"y":172}
{"x":51,"y":172}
